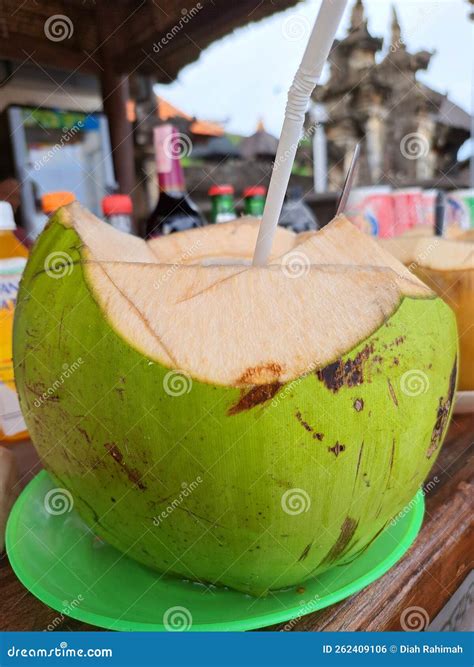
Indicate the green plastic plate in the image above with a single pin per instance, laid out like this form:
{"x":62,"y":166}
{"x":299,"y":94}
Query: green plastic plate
{"x":60,"y":560}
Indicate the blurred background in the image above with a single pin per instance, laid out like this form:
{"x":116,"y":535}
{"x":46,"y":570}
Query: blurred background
{"x":84,"y":86}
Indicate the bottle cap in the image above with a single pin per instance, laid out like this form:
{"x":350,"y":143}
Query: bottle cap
{"x":220,"y":190}
{"x":117,"y":205}
{"x":255,"y":191}
{"x":51,"y":201}
{"x":7,"y":221}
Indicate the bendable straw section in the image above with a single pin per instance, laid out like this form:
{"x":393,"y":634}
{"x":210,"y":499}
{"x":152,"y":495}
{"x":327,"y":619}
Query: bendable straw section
{"x":306,"y":78}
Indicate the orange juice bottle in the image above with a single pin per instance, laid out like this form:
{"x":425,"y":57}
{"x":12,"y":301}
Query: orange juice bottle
{"x":13,"y":255}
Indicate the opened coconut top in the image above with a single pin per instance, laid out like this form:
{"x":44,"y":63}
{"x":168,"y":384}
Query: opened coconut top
{"x":321,"y":295}
{"x":437,"y":253}
{"x":450,"y":232}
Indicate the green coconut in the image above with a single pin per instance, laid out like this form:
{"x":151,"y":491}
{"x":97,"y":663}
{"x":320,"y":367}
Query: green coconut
{"x":244,"y":426}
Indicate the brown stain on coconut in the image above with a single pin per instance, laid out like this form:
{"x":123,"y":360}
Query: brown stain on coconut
{"x":316,"y":435}
{"x":349,"y":373}
{"x":369,"y":543}
{"x":392,"y":458}
{"x":392,"y":393}
{"x":84,"y":434}
{"x":390,"y":465}
{"x":305,"y":553}
{"x":395,"y":343}
{"x":263,"y":374}
{"x":442,"y":413}
{"x":120,"y":391}
{"x":255,"y":396}
{"x":346,"y":534}
{"x":361,"y":450}
{"x":303,"y":423}
{"x":132,"y":473}
{"x":358,"y":404}
{"x":337,"y":449}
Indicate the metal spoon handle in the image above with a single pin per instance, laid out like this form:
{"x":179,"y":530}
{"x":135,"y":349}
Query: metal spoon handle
{"x":346,"y":190}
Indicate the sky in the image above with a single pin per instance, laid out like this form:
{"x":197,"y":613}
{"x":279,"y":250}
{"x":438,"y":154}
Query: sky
{"x":246,"y":75}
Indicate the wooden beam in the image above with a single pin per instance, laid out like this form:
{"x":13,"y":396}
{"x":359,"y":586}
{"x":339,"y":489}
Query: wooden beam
{"x":184,"y":40}
{"x":19,"y":47}
{"x":115,"y":93}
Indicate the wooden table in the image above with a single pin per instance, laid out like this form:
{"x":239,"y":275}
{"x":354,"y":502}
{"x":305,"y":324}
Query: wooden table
{"x":426,"y":577}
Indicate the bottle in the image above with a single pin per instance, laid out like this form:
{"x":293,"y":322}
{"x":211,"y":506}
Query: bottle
{"x":51,"y":201}
{"x":295,"y":214}
{"x":117,"y":210}
{"x":175,"y":210}
{"x":254,"y":200}
{"x":439,"y":215}
{"x":222,"y":203}
{"x":13,"y":255}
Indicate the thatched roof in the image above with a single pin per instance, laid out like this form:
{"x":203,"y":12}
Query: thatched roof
{"x":217,"y":148}
{"x":159,"y":38}
{"x":260,"y":144}
{"x":206,"y":128}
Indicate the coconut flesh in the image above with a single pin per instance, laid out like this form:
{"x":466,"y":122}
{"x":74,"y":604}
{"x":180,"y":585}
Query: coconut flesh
{"x":235,"y":425}
{"x":447,"y":267}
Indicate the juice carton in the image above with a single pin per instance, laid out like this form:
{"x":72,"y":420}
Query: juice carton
{"x":13,"y":255}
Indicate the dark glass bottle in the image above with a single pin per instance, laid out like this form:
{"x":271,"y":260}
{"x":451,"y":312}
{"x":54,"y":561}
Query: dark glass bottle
{"x":175,"y":210}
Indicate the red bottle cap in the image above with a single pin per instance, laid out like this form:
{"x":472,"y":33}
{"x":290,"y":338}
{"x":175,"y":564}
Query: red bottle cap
{"x":220,"y":190}
{"x":117,"y":205}
{"x":255,"y":191}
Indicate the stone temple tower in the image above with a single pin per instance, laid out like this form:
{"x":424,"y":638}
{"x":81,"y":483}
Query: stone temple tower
{"x":409,"y":133}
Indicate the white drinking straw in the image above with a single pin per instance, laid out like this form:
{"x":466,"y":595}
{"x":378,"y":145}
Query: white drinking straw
{"x":306,"y":78}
